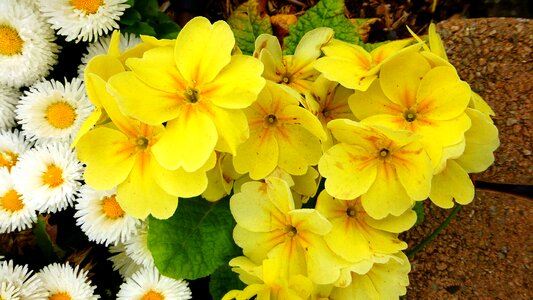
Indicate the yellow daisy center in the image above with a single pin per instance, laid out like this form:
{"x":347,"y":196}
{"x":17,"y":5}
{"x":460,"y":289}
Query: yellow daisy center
{"x":53,"y":176}
{"x":10,"y":41}
{"x":88,"y":6}
{"x":11,"y":201}
{"x":192,"y":95}
{"x":60,"y":296}
{"x":60,"y":114}
{"x":8,"y":159}
{"x":151,"y":295}
{"x":111,"y":208}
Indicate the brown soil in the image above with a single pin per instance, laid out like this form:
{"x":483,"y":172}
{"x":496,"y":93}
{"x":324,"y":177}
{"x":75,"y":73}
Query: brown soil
{"x":487,"y":250}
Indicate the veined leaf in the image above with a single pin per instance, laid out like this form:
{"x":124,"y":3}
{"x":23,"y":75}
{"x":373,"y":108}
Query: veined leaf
{"x":195,"y":241}
{"x":326,"y":13}
{"x":247,"y":24}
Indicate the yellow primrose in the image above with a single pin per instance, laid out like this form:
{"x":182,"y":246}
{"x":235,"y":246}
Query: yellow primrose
{"x":352,"y":66}
{"x":281,"y":134}
{"x":384,"y":281}
{"x":328,"y":100}
{"x":120,"y":155}
{"x":197,"y":87}
{"x":269,"y":226}
{"x":454,"y":183}
{"x":353,"y":226}
{"x":369,"y":158}
{"x":411,"y":95}
{"x":266,"y":282}
{"x":221,"y":178}
{"x":295,"y":71}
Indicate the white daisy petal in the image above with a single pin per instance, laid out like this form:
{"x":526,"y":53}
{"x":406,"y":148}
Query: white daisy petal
{"x":49,"y":176}
{"x":83,"y":20}
{"x":147,"y":283}
{"x":12,"y":145}
{"x":101,"y":46}
{"x":28,"y":287}
{"x":9,"y":97}
{"x":27,"y":48}
{"x":53,"y":111}
{"x":70,"y":283}
{"x":137,"y":248}
{"x":122,"y":262}
{"x":9,"y":291}
{"x":102,"y":219}
{"x":15,"y":213}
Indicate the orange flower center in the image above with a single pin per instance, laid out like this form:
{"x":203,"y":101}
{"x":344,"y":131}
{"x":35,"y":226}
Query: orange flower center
{"x":8,"y":159}
{"x":60,"y":296}
{"x":151,"y":295}
{"x":88,"y":6}
{"x":60,"y":115}
{"x":111,"y":207}
{"x":53,"y":176}
{"x":10,"y":41}
{"x":11,"y":201}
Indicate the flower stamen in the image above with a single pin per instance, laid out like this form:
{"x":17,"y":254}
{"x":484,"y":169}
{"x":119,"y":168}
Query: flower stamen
{"x":8,"y":159}
{"x":60,"y":296}
{"x":60,"y":115}
{"x":151,"y":295}
{"x":192,"y":95}
{"x":11,"y":201}
{"x":409,"y":116}
{"x":10,"y":41}
{"x":111,"y":208}
{"x":53,"y":176}
{"x":87,"y":6}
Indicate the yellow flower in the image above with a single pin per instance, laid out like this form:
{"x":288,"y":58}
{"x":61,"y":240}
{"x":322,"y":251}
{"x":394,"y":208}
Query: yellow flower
{"x":388,"y":169}
{"x":295,"y":71}
{"x":266,"y":282}
{"x":221,"y":178}
{"x":197,"y":87}
{"x":454,"y":183}
{"x":328,"y":100}
{"x":121,"y":155}
{"x":352,"y":66}
{"x":411,"y":95}
{"x":281,"y":134}
{"x":269,"y":226}
{"x":384,"y":281}
{"x":366,"y":236}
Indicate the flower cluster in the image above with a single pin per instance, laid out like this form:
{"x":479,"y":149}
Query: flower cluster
{"x":322,"y":153}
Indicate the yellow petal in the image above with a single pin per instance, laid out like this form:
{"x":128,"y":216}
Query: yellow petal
{"x":307,"y":219}
{"x":400,"y":77}
{"x":435,"y":43}
{"x":188,"y":140}
{"x":446,"y":132}
{"x":308,"y":49}
{"x":271,"y":44}
{"x":373,"y":102}
{"x":203,"y":49}
{"x":478,"y":103}
{"x":414,"y":170}
{"x":258,"y":155}
{"x":232,"y":128}
{"x":346,"y":72}
{"x":104,"y":66}
{"x":237,"y":85}
{"x":349,"y":171}
{"x":140,"y":195}
{"x":293,"y":114}
{"x":383,"y":52}
{"x":298,"y":149}
{"x":452,"y":183}
{"x":481,"y":141}
{"x":394,"y":224}
{"x":109,"y":157}
{"x":87,"y":125}
{"x":256,"y":245}
{"x":157,"y":70}
{"x":323,"y":266}
{"x":442,"y":95}
{"x":140,"y":101}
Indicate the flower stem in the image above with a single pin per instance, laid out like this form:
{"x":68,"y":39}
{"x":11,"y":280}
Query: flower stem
{"x":434,"y":234}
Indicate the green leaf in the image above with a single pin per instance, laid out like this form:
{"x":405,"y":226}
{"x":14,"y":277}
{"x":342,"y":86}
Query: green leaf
{"x":50,"y":250}
{"x":224,"y":280}
{"x":166,"y":28}
{"x":326,"y":13}
{"x":148,"y":8}
{"x":140,"y":28}
{"x":130,"y":16}
{"x":195,"y":241}
{"x":419,"y":210}
{"x":247,"y":24}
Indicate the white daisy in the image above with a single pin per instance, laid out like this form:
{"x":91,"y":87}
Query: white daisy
{"x":15,"y":212}
{"x":51,"y":110}
{"x":27,"y":286}
{"x":83,"y":20}
{"x":27,"y":48}
{"x":8,"y":99}
{"x":12,"y":145}
{"x":137,"y":248}
{"x":64,"y":282}
{"x":48,"y":175}
{"x":147,"y":283}
{"x":102,"y":219}
{"x":101,"y":46}
{"x":9,"y":291}
{"x":122,"y":262}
